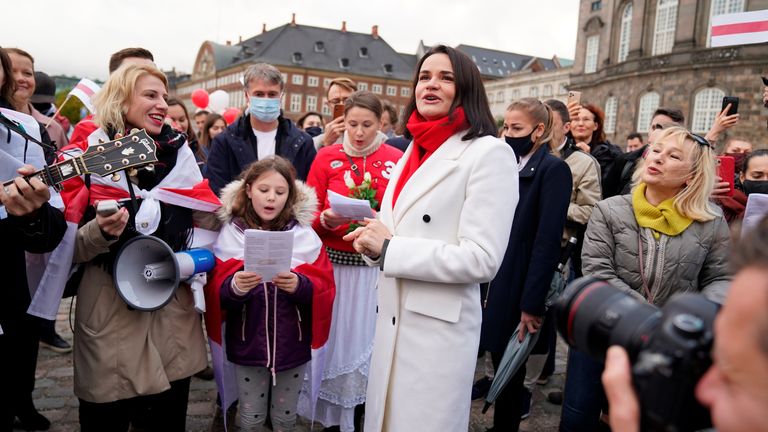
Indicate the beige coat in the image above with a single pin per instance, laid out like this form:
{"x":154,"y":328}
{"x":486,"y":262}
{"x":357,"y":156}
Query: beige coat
{"x":121,"y":353}
{"x":451,"y":225}
{"x":586,"y":191}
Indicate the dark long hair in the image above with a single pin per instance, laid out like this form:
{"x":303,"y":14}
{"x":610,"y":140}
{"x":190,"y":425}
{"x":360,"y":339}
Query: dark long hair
{"x":470,"y":95}
{"x":9,"y":86}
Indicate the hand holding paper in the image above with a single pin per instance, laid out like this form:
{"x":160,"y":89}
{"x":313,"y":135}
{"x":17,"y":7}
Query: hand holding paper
{"x":268,"y":252}
{"x":352,"y":208}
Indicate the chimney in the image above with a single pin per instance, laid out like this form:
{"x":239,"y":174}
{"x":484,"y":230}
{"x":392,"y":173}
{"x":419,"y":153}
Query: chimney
{"x":240,"y":39}
{"x":264,"y":28}
{"x":375,"y":32}
{"x":229,"y":43}
{"x":293,"y":20}
{"x":343,"y":26}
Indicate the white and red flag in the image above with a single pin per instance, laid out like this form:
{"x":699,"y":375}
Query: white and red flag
{"x":184,"y":186}
{"x":740,"y":28}
{"x":85,"y":90}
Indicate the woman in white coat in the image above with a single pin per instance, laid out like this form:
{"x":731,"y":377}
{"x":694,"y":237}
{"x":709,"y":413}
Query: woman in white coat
{"x":443,"y":228}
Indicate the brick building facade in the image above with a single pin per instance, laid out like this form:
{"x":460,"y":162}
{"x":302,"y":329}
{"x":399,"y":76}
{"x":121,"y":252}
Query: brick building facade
{"x":633,"y":56}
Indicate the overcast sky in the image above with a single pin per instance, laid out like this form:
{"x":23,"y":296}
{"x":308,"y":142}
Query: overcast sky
{"x":76,"y":37}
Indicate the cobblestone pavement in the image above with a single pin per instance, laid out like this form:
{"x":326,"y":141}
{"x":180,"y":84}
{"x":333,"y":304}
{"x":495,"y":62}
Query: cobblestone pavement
{"x":54,"y":397}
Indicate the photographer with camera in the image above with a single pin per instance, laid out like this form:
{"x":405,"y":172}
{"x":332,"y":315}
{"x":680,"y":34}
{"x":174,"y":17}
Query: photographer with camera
{"x":664,"y":238}
{"x":735,"y":387}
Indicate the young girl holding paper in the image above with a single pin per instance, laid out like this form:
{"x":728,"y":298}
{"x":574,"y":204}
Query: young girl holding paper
{"x":268,"y":331}
{"x":359,"y":167}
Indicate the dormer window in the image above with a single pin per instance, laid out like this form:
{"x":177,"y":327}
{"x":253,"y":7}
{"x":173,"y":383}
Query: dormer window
{"x":296,"y":58}
{"x":363,"y":52}
{"x":344,"y":63}
{"x":388,"y":68}
{"x":319,"y":47}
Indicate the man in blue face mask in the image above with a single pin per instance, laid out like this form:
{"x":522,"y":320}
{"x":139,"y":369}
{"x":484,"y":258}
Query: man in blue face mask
{"x":261,"y":133}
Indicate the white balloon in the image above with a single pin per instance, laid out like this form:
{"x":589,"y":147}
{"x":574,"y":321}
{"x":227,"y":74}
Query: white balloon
{"x":218,"y":101}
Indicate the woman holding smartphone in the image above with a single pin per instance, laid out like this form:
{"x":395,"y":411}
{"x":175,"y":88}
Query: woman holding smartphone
{"x":442,"y":230}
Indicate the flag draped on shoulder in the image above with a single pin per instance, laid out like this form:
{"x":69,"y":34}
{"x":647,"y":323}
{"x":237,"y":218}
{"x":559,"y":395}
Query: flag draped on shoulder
{"x":184,"y":186}
{"x":309,"y":259}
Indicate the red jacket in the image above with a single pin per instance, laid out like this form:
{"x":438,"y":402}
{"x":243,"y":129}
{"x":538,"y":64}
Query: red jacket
{"x":327,"y":172}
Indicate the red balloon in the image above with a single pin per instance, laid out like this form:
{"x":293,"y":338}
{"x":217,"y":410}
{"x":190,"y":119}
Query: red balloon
{"x":200,"y":98}
{"x":230,"y":115}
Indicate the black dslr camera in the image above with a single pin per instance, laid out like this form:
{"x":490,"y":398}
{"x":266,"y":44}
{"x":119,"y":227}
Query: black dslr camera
{"x":669,"y":347}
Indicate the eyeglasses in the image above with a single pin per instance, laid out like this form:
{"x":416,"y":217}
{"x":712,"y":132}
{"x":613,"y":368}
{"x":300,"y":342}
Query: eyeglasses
{"x":700,"y":140}
{"x":657,"y":126}
{"x":337,"y":101}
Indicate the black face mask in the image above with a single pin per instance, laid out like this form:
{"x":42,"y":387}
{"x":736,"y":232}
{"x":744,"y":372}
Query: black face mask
{"x":755,"y":186}
{"x":521,"y":145}
{"x":314,"y":131}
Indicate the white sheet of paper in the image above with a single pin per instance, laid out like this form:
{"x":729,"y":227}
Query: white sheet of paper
{"x":352,"y":208}
{"x":268,"y":252}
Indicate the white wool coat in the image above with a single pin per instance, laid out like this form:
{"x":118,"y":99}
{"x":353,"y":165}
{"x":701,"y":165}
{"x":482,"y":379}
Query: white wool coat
{"x":450,"y":227}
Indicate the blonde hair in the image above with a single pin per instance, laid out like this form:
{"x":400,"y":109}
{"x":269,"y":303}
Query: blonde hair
{"x":111,"y":103}
{"x":692,"y":200}
{"x":539,"y":112}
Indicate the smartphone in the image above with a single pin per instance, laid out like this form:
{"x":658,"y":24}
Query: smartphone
{"x":734,"y":101}
{"x":726,"y":169}
{"x":107,"y":208}
{"x":765,"y":83}
{"x":338,"y":111}
{"x":574,"y":96}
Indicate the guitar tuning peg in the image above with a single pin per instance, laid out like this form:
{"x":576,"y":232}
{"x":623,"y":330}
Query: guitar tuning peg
{"x":132,"y":172}
{"x":115,"y":177}
{"x":101,"y":141}
{"x":150,"y":167}
{"x":134,"y":130}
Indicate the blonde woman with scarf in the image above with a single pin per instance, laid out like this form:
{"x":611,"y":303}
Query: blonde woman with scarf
{"x":359,"y":167}
{"x":663,"y":238}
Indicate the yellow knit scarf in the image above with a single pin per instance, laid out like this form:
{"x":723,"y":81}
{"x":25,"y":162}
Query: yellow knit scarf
{"x":664,"y":218}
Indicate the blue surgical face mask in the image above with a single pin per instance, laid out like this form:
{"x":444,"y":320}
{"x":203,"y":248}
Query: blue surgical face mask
{"x":264,"y":109}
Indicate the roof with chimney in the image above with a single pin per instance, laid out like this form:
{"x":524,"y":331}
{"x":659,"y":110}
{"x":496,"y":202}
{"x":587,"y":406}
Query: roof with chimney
{"x":334,"y":50}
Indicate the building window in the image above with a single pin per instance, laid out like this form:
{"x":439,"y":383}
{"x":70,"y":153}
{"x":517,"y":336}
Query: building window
{"x":319,"y":47}
{"x":325,"y":109}
{"x":344,"y":63}
{"x":285,"y":77}
{"x":706,"y":106}
{"x":490,"y":97}
{"x":720,"y":7}
{"x":313,"y":81}
{"x":297,"y":79}
{"x":666,"y":21}
{"x":648,"y":104}
{"x":547,"y":90}
{"x":295,"y":103}
{"x":610,"y":115}
{"x":534,"y":92}
{"x":363,"y":52}
{"x":391,"y":90}
{"x":515,"y":94}
{"x":590,"y":58}
{"x":311,"y":103}
{"x":625,"y":32}
{"x":376,"y":88}
{"x":362,"y":86}
{"x":297,"y":58}
{"x":326,"y":82}
{"x":387,"y":68}
{"x":562,"y":88}
{"x":596,"y":5}
{"x":500,"y":96}
{"x":405,"y":91}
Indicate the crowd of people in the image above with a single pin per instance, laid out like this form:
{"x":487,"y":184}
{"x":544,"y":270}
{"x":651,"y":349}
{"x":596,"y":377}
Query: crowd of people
{"x":379,"y":323}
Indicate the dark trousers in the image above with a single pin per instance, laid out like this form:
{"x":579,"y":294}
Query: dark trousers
{"x":583,"y":397}
{"x":166,"y":411}
{"x":508,"y":406}
{"x":18,"y":360}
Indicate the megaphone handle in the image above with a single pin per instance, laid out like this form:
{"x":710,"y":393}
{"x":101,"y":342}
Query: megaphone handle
{"x":198,"y":281}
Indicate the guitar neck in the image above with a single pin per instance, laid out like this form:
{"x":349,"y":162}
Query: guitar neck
{"x":54,"y":175}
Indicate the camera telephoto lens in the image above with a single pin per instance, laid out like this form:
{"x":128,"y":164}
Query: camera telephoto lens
{"x":593,"y":315}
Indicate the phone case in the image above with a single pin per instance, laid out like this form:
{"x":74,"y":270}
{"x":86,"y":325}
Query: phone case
{"x":726,"y":169}
{"x":734,"y":101}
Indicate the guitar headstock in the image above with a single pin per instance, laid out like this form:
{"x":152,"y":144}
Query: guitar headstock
{"x":130,"y":151}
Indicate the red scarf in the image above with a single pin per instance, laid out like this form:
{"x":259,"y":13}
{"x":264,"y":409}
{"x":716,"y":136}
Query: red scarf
{"x":428,"y":136}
